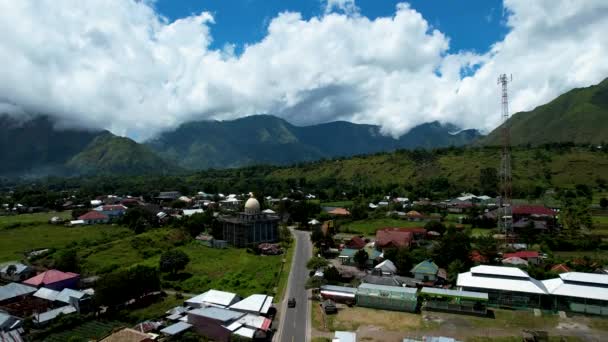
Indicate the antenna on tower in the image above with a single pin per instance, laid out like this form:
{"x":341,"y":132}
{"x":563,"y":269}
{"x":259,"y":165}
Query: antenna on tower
{"x":505,"y":222}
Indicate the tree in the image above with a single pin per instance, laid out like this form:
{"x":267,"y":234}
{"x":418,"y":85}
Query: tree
{"x":604,"y":202}
{"x":139,"y":219}
{"x":120,"y":286}
{"x":332,"y":275}
{"x":173,"y":260}
{"x":285,"y":235}
{"x":316,"y":262}
{"x":454,"y":268}
{"x":67,"y":261}
{"x":361,"y":257}
{"x":435,"y":226}
{"x":488,"y":180}
{"x":453,"y":246}
{"x":487,"y":246}
{"x":10,"y":270}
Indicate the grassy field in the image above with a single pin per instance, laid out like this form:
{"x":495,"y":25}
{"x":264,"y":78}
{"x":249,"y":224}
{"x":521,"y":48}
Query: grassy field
{"x":15,"y":221}
{"x":153,"y":311}
{"x":369,"y":226}
{"x":16,"y":241}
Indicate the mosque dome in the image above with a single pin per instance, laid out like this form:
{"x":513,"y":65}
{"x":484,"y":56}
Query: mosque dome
{"x":252,"y":206}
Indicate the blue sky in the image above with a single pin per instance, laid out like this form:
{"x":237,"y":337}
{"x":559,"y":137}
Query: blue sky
{"x":471,"y":25}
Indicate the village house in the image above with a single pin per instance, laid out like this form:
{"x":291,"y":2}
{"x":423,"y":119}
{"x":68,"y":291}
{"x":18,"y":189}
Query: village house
{"x":113,"y":211}
{"x":398,"y":237}
{"x":54,"y":279}
{"x":532,"y":257}
{"x":15,"y":271}
{"x":425,"y":271}
{"x":94,"y":217}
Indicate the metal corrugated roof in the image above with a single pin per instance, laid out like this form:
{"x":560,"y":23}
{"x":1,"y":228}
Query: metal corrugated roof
{"x":245,"y":332}
{"x":515,"y":284}
{"x":255,"y":303}
{"x":214,"y":297}
{"x":504,"y":271}
{"x":176,"y":328}
{"x":405,"y":290}
{"x":52,"y":314}
{"x":47,"y":294}
{"x":13,"y":290}
{"x":66,"y":294}
{"x":222,"y":315}
{"x":592,"y":278}
{"x":454,"y":293}
{"x":558,"y":287}
{"x":334,"y":288}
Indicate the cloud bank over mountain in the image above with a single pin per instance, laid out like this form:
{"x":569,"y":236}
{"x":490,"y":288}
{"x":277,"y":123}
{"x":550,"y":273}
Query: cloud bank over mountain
{"x":119,"y":65}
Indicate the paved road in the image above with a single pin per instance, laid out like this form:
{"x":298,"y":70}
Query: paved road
{"x":295,"y":322}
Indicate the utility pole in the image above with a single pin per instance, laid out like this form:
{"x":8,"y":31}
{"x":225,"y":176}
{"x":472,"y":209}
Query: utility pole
{"x":505,"y":222}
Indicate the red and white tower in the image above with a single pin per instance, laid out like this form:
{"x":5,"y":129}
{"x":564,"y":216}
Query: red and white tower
{"x":505,"y":222}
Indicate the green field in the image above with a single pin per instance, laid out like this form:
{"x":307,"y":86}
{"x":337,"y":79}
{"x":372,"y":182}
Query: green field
{"x":152,"y":311}
{"x":15,"y":221}
{"x":16,"y":241}
{"x":369,"y":226}
{"x":92,"y":330}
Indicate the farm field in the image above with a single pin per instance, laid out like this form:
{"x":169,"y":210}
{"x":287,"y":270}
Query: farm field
{"x":369,"y":226}
{"x":92,"y":330}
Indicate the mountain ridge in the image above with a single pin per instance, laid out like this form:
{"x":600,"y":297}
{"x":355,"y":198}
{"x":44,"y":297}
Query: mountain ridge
{"x":265,"y":138}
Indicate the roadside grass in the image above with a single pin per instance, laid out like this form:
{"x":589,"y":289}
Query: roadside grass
{"x":16,"y":221}
{"x":337,"y":204}
{"x":284,"y":276}
{"x":92,"y":330}
{"x":369,"y":226}
{"x":519,"y":339}
{"x":514,"y":319}
{"x":476,"y":232}
{"x":15,"y":242}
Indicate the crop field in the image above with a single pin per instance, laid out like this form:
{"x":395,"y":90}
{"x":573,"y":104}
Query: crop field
{"x":93,"y":330}
{"x":369,"y":226}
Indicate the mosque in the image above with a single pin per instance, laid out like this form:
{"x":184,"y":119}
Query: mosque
{"x":250,"y":227}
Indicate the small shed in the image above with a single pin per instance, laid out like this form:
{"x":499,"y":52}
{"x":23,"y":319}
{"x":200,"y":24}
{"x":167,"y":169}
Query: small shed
{"x":341,"y":294}
{"x":386,"y":266}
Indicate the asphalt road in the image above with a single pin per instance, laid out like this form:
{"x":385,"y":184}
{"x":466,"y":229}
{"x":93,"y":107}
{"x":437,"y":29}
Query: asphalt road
{"x":295,"y":325}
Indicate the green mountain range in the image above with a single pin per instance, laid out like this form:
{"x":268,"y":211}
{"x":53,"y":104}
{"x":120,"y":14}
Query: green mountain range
{"x":34,"y":148}
{"x":266,"y":139}
{"x":109,"y":154}
{"x":579,"y":116}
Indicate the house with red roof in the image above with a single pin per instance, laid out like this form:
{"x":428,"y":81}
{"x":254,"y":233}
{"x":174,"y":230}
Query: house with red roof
{"x":339,"y":212}
{"x":537,"y":217}
{"x":532,"y":257}
{"x":94,"y":217}
{"x":355,"y":242}
{"x":560,"y":268}
{"x":398,"y":237}
{"x":54,"y":280}
{"x":113,"y":211}
{"x":478,"y":258}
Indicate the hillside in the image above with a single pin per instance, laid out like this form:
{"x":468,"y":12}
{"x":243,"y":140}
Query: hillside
{"x":109,"y":154}
{"x":35,"y":147}
{"x":457,"y":169}
{"x":265,"y":139}
{"x":579,"y":116}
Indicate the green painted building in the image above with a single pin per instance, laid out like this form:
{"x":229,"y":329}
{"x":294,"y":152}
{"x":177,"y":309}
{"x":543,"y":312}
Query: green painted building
{"x":387,"y":297}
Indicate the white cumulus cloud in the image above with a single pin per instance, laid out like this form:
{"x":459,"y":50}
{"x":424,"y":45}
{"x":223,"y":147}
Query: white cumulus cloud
{"x":119,"y":65}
